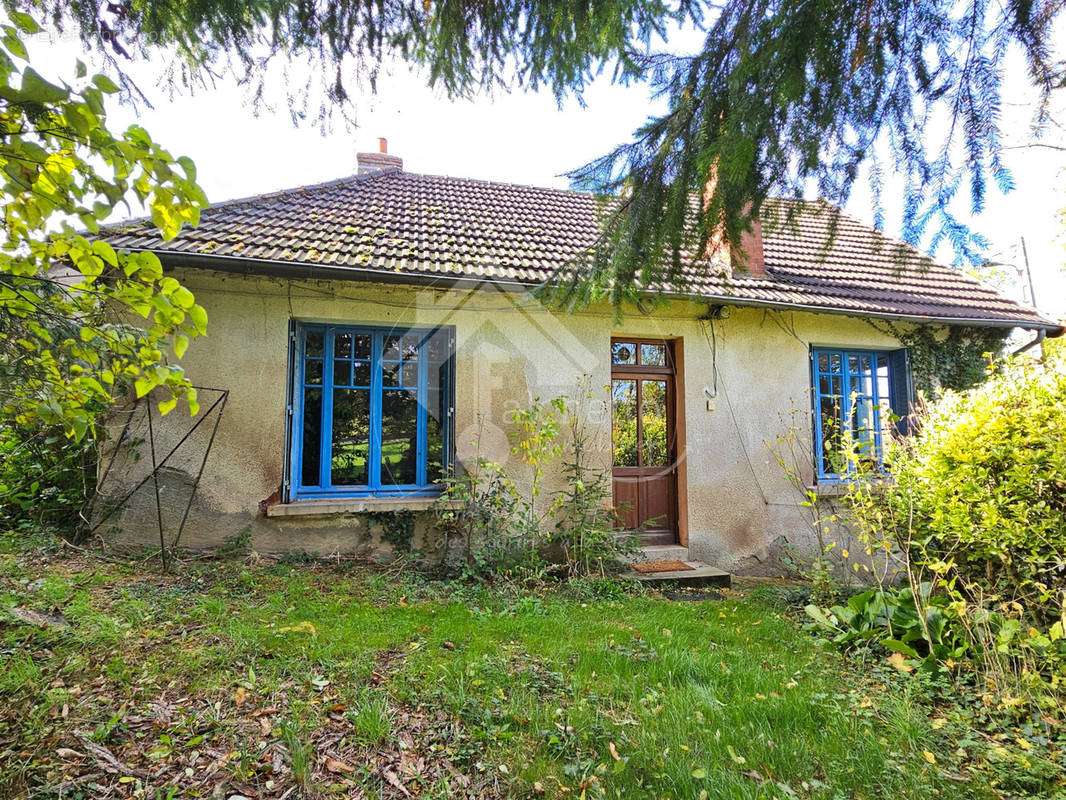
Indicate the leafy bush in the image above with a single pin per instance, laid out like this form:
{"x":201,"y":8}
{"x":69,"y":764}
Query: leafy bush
{"x":46,"y":477}
{"x":976,"y":510}
{"x":586,"y":524}
{"x":501,"y":529}
{"x":927,"y":631}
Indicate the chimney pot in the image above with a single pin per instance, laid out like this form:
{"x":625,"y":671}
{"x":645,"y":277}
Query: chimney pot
{"x":383,"y":144}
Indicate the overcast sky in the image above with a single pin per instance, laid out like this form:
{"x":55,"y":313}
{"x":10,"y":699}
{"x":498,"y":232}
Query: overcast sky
{"x":526,"y":139}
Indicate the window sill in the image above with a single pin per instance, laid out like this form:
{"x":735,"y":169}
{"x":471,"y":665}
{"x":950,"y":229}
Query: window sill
{"x":351,"y":505}
{"x":837,"y":489}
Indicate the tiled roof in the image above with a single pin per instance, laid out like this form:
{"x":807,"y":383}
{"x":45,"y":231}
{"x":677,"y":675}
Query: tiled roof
{"x":407,"y":224}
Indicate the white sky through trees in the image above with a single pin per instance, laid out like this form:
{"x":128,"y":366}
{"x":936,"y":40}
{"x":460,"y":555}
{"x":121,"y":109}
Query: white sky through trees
{"x":528,"y":139}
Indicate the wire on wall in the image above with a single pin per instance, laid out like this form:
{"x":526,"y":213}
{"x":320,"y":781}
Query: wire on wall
{"x":712,"y":344}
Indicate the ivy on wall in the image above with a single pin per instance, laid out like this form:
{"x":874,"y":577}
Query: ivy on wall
{"x":949,"y":356}
{"x":397,"y":528}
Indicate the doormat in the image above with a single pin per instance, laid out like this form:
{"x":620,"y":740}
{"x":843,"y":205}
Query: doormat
{"x":661,"y":566}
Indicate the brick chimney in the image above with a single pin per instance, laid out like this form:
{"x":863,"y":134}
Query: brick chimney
{"x":373,"y":162}
{"x":747,"y":260}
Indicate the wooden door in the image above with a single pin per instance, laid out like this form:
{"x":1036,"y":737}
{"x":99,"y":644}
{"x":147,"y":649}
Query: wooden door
{"x":644,"y":438}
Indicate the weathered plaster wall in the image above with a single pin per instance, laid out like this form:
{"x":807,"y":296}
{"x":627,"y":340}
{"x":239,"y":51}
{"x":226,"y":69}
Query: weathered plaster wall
{"x":509,"y":350}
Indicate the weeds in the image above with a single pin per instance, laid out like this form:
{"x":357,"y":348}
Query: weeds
{"x":331,"y":681}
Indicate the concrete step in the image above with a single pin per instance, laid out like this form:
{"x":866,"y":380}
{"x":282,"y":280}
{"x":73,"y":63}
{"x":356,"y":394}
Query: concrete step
{"x":700,"y":575}
{"x":662,"y":552}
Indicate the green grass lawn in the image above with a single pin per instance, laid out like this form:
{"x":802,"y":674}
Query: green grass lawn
{"x":304,"y":680}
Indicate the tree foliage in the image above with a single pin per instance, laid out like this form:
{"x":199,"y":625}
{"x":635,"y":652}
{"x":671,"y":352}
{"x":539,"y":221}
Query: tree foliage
{"x":464,"y":46}
{"x":69,"y":345}
{"x":783,"y":96}
{"x":792,"y":94}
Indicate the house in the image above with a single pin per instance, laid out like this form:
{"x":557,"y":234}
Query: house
{"x":376,"y":331}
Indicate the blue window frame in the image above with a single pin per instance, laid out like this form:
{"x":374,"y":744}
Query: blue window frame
{"x":864,"y":394}
{"x":372,"y":410}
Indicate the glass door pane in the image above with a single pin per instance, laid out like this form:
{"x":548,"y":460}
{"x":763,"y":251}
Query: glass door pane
{"x":624,"y":429}
{"x":656,"y":446}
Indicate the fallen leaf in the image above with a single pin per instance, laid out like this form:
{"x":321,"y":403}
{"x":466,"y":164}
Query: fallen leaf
{"x":929,"y":756}
{"x":699,"y":773}
{"x":899,"y":661}
{"x":66,"y":752}
{"x":240,"y":696}
{"x":337,"y":766}
{"x":38,"y":619}
{"x":395,"y":781}
{"x":614,"y":751}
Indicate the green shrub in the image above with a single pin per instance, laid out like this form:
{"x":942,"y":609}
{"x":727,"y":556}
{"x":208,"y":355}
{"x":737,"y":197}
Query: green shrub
{"x":46,"y":477}
{"x":921,"y":626}
{"x":504,"y":531}
{"x":976,"y":509}
{"x":980,"y":491}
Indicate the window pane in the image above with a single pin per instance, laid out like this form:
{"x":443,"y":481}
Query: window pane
{"x":653,"y":355}
{"x":342,"y":373}
{"x":342,"y":345}
{"x":435,"y":412}
{"x":362,"y":373}
{"x":823,"y":362}
{"x":410,"y":374}
{"x":313,"y":372}
{"x":351,"y":437}
{"x":390,"y":373}
{"x":653,"y":421}
{"x":312,"y":432}
{"x":361,"y":345}
{"x":624,"y":403}
{"x":623,"y":353}
{"x":834,"y":362}
{"x":437,"y":375}
{"x":883,"y":385}
{"x":391,"y":348}
{"x":314,"y":344}
{"x":864,"y":423}
{"x":410,"y":345}
{"x":833,"y":461}
{"x":437,"y":347}
{"x":399,"y":437}
{"x":853,"y":364}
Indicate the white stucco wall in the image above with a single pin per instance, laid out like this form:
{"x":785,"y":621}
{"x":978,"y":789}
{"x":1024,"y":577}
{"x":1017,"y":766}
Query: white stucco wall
{"x":509,"y":350}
